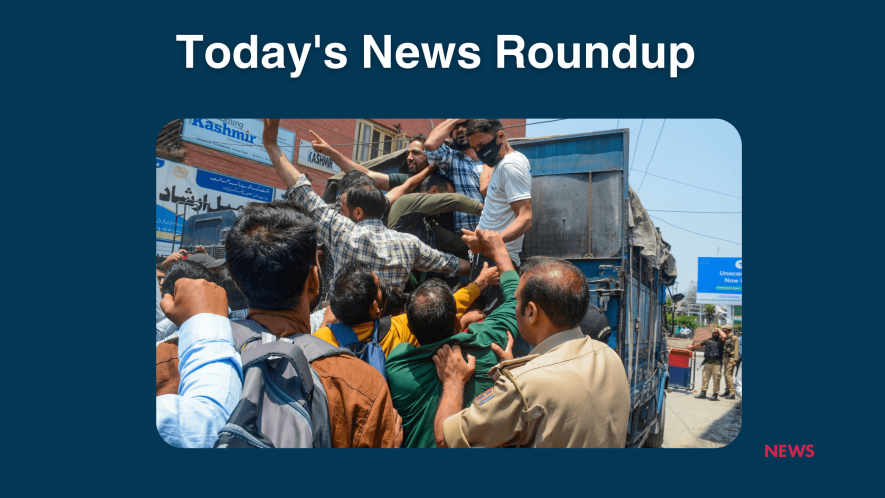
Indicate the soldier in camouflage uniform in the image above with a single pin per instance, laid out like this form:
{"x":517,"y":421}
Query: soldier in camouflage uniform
{"x":731,"y":356}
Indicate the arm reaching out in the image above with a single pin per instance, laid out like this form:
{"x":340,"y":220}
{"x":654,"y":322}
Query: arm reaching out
{"x":454,"y":373}
{"x":410,"y":185}
{"x":280,"y":162}
{"x":323,"y":147}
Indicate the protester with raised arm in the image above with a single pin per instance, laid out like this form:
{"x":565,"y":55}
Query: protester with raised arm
{"x":416,"y":162}
{"x":357,"y":233}
{"x":459,"y":163}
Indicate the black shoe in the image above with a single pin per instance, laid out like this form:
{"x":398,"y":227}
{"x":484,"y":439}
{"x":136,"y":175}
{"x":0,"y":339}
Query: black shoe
{"x":714,"y":397}
{"x":703,"y":395}
{"x":730,"y":396}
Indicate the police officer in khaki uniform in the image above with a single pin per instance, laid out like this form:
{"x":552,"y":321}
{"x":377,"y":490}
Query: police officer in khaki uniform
{"x":730,"y":358}
{"x":570,"y":392}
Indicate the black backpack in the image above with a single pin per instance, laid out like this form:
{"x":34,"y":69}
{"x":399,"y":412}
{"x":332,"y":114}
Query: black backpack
{"x":712,"y":351}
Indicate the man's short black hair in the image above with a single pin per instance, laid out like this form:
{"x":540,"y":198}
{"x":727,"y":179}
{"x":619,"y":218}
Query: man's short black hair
{"x":394,"y":301}
{"x":558,"y":287}
{"x":419,"y":137}
{"x":353,"y":293}
{"x":490,"y":126}
{"x":369,"y":198}
{"x":269,"y":252}
{"x":431,"y":311}
{"x":466,"y":122}
{"x":354,"y":178}
{"x":441,"y":182}
{"x":185,"y":269}
{"x":236,"y":300}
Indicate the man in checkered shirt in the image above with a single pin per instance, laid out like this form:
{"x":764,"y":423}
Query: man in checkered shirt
{"x":461,"y":165}
{"x":357,"y":233}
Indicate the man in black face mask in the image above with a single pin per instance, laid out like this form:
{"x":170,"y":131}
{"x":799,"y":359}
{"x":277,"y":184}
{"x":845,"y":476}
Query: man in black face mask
{"x":508,"y":206}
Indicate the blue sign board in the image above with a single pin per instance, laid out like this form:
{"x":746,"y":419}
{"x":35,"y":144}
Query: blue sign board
{"x":231,"y":185}
{"x":720,"y":280}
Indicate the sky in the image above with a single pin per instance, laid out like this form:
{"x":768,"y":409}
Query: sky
{"x":701,"y":152}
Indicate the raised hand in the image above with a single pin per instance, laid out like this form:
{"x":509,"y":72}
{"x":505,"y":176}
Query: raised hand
{"x":320,"y":146}
{"x":271,"y":130}
{"x":193,"y":297}
{"x":472,"y":242}
{"x":487,"y":277}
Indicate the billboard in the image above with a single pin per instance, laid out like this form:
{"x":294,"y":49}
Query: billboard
{"x":202,"y":192}
{"x":720,"y":280}
{"x":240,"y":137}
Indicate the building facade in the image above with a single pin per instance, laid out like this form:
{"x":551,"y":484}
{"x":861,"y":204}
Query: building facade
{"x":208,"y":165}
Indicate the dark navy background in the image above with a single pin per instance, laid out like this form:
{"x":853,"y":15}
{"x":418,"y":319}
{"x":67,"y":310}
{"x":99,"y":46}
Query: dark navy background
{"x":91,"y":84}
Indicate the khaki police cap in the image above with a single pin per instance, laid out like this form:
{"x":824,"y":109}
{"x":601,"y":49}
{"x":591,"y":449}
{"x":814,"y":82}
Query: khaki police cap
{"x":727,"y":327}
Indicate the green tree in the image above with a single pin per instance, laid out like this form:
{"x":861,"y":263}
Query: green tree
{"x":709,"y":312}
{"x":689,"y":321}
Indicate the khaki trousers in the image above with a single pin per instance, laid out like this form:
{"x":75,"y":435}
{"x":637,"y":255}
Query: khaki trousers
{"x":729,"y":376}
{"x":714,"y":371}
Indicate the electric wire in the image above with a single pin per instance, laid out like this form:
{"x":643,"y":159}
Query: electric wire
{"x":696,"y":233}
{"x":652,"y":155}
{"x":539,"y":122}
{"x":690,"y":185}
{"x":696,"y":212}
{"x":637,"y":144}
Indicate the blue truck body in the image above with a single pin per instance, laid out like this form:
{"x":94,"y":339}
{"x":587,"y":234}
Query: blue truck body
{"x":580,"y":212}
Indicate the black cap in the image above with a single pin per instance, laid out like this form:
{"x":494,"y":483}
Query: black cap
{"x":595,"y":324}
{"x":205,"y":260}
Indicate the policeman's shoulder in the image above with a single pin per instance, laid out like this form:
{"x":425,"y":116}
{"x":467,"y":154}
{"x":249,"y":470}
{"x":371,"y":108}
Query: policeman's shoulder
{"x":513,"y":364}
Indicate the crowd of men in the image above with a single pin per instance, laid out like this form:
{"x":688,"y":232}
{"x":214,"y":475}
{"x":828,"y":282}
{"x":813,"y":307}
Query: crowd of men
{"x":421,"y":319}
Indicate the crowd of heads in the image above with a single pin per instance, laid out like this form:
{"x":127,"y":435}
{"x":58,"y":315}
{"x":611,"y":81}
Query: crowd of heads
{"x":272,"y":262}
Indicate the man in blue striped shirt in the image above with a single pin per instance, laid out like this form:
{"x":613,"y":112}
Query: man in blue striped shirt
{"x":460,"y":164}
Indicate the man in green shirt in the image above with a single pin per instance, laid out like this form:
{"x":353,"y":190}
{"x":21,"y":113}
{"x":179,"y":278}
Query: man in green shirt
{"x":420,"y":213}
{"x":411,"y":373}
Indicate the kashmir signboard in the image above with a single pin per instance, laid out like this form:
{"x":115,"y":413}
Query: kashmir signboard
{"x":720,"y":280}
{"x":240,"y":137}
{"x":307,"y":157}
{"x":201,"y":191}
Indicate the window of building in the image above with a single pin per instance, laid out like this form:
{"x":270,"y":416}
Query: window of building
{"x":376,"y":140}
{"x":169,"y":141}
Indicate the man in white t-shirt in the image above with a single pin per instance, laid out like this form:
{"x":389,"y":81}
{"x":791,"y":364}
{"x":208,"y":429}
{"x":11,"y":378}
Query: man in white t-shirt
{"x":508,"y":206}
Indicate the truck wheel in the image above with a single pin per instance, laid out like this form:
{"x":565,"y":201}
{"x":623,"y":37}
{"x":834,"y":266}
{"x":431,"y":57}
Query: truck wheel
{"x":656,"y":440}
